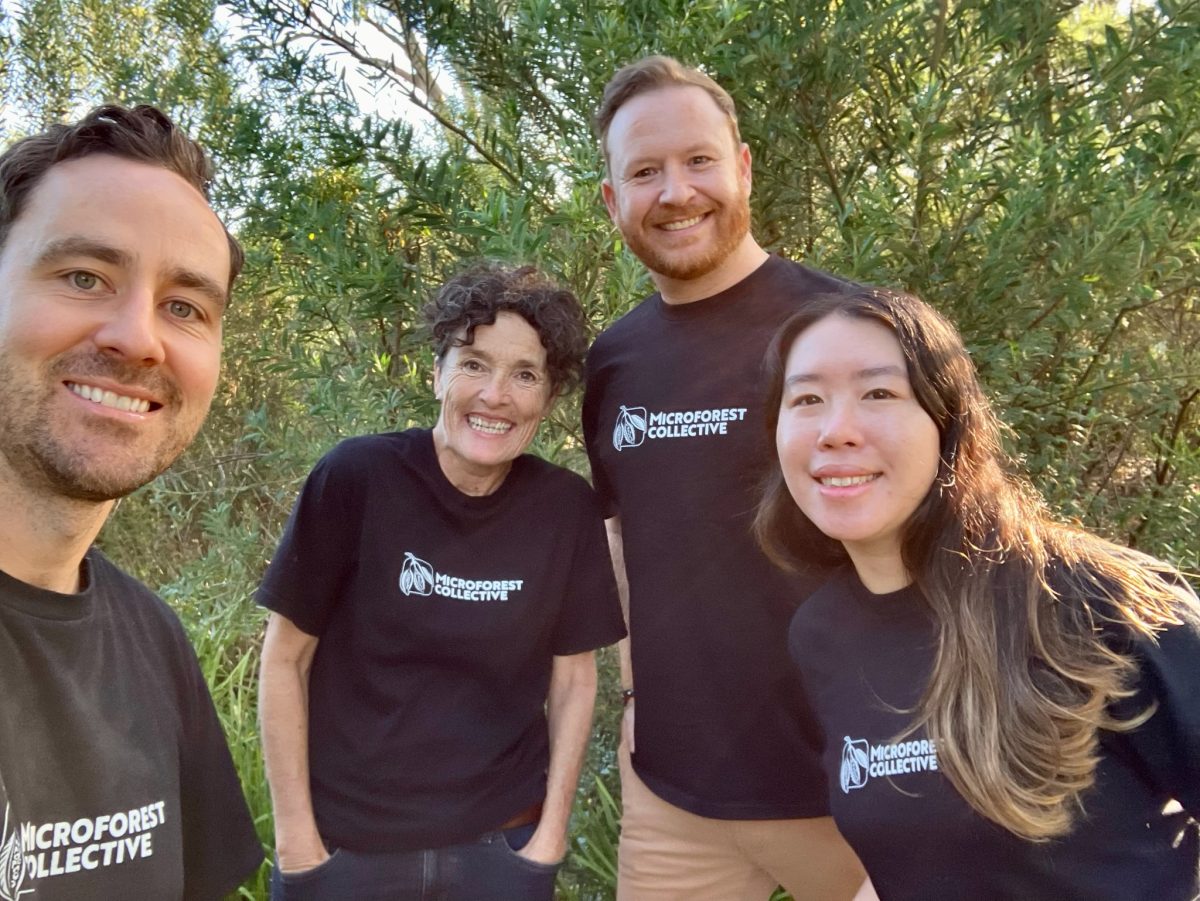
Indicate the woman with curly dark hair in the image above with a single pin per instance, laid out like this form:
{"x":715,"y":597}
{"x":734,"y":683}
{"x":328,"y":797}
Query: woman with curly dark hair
{"x":428,"y":673}
{"x":1011,"y":706}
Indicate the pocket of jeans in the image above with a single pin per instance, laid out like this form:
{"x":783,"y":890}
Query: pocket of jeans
{"x":296,"y":876}
{"x":515,"y":855}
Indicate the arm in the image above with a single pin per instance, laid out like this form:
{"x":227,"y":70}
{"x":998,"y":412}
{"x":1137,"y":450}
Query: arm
{"x":283,"y":714}
{"x":569,"y":715}
{"x":616,"y":550}
{"x":866,"y":892}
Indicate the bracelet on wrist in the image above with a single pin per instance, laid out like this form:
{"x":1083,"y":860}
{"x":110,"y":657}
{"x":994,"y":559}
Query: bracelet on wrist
{"x":626,"y":696}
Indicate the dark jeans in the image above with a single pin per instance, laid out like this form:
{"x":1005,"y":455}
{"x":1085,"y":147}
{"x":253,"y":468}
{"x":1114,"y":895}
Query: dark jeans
{"x":488,"y":869}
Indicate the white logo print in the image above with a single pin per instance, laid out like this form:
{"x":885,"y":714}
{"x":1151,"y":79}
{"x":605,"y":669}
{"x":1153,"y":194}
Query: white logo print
{"x":635,"y":424}
{"x":630,"y":430}
{"x":855,"y":760}
{"x":416,"y":576}
{"x":420,"y":578}
{"x":862,"y":760}
{"x":12,"y":862}
{"x":40,"y":851}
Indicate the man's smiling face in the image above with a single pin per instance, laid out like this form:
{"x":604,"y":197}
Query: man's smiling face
{"x":679,"y":183}
{"x":113,"y":283}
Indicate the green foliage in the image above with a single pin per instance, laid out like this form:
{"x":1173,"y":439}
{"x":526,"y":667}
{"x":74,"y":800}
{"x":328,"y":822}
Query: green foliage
{"x":1030,"y":168}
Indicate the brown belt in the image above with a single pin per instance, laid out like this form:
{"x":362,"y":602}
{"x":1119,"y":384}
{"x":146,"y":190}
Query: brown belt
{"x":530,"y":814}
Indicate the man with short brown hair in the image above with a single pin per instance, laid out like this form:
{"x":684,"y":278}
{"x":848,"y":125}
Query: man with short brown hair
{"x":115,"y":778}
{"x":723,"y":791}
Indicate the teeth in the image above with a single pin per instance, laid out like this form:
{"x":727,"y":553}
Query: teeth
{"x":479,"y":424}
{"x":110,"y":398}
{"x":846,"y":481}
{"x":682,"y":223}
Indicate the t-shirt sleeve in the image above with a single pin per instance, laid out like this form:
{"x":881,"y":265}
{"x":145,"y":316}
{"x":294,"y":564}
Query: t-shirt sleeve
{"x":590,"y":616}
{"x":304,"y":579}
{"x":592,"y":397}
{"x":1168,"y":744}
{"x":220,"y":846}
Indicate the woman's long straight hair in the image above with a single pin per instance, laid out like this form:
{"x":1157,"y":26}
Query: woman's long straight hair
{"x":1032,"y":616}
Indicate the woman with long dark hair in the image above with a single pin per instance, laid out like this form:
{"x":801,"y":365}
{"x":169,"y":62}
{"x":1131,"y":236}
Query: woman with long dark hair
{"x":1011,"y":706}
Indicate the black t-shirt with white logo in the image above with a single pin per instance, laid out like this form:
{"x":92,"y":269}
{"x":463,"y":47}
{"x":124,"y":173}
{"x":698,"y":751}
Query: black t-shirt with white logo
{"x":865,"y":658}
{"x":439,"y":615}
{"x":115,"y":778}
{"x":674,"y":427}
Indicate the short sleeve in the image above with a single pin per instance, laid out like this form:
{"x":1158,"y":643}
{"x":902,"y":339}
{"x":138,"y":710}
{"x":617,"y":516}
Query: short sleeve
{"x":319,"y":545}
{"x":220,"y":846}
{"x":592,"y":398}
{"x":1168,"y":744}
{"x":590,"y":615}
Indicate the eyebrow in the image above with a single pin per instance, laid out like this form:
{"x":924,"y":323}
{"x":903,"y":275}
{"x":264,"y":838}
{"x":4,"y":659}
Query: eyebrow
{"x":869,"y":373}
{"x":76,"y":246}
{"x":519,"y":364}
{"x":83,"y":247}
{"x":188,"y":278}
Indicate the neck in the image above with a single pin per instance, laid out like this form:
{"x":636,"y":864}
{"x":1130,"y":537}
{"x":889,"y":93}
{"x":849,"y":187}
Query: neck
{"x":43,"y":537}
{"x":882,"y":572}
{"x":470,"y":480}
{"x":746,"y":258}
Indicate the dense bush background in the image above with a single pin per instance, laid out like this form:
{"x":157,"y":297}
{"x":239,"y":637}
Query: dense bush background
{"x":1030,"y":168}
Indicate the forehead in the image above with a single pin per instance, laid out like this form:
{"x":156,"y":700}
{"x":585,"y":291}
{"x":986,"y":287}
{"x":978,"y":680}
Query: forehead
{"x":839,"y":342}
{"x":666,"y":119}
{"x":143,"y":210}
{"x":509,"y":339}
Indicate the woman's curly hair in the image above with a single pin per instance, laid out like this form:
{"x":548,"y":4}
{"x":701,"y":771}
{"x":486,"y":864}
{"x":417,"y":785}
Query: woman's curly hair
{"x":475,"y":296}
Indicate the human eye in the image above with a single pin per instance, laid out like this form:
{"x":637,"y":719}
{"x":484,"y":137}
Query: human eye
{"x":700,"y":159}
{"x":529,"y":377}
{"x":182,"y":309}
{"x":473,"y":367}
{"x":880,"y":394}
{"x":804,"y":400}
{"x":643,"y":173}
{"x":83,"y":280}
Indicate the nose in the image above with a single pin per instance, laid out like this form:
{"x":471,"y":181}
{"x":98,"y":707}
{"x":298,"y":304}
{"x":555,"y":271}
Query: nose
{"x":677,"y":187}
{"x":133,"y":329}
{"x":495,"y":388}
{"x":840,"y":426}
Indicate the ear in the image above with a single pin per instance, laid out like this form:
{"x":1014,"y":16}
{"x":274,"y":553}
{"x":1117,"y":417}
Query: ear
{"x":437,"y":379}
{"x":744,"y":166}
{"x":609,"y":193}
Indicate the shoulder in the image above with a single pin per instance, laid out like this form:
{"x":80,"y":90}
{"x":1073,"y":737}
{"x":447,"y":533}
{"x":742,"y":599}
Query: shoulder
{"x":805,"y":278}
{"x":365,"y":448}
{"x":563,"y":484}
{"x":359,"y":459}
{"x":1124,"y":594}
{"x":629,"y":325}
{"x":136,"y":608}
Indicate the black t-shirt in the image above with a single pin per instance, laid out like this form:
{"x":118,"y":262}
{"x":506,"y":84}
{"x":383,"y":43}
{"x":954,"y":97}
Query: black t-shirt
{"x":865,"y":657}
{"x":674,"y":427}
{"x":439,"y":615}
{"x":115,"y":778}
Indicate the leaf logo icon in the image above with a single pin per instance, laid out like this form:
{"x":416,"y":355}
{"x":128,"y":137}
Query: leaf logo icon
{"x":855,"y":761}
{"x":12,"y":866}
{"x":630,"y":430}
{"x":416,"y":576}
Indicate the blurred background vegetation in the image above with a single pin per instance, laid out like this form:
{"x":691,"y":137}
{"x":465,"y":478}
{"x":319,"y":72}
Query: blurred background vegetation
{"x":1030,"y":168}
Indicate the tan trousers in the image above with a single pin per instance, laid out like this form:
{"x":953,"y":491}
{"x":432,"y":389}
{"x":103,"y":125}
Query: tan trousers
{"x":669,"y":854}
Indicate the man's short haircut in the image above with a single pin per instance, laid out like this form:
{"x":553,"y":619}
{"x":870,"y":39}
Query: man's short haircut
{"x":652,"y":73}
{"x":143,"y":134}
